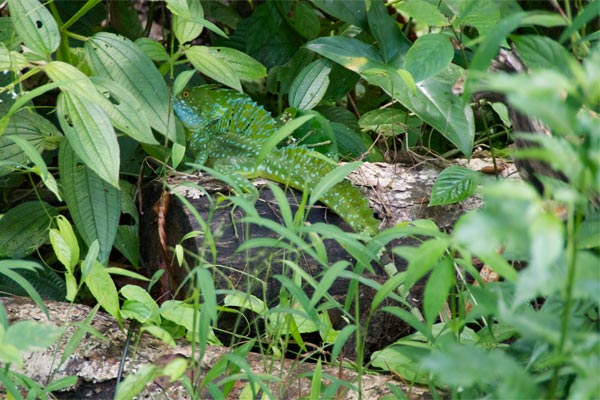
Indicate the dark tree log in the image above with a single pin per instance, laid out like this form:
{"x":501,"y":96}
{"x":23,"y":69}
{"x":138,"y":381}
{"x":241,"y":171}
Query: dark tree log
{"x":398,"y":194}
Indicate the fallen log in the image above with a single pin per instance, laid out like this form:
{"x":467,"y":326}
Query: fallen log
{"x":397,"y":194}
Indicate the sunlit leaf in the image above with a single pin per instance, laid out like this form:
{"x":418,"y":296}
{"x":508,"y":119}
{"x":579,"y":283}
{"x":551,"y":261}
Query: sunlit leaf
{"x":35,"y":25}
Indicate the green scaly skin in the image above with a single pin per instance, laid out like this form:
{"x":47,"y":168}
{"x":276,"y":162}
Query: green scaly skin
{"x":226,"y":131}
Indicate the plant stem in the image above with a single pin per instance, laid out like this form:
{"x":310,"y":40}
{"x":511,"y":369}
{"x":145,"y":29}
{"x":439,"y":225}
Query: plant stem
{"x":573,"y":222}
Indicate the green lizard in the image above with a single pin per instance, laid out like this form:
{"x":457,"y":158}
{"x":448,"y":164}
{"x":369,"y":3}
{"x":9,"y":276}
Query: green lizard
{"x":226,"y":131}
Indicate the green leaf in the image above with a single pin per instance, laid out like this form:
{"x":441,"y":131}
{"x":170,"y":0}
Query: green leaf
{"x":245,"y":67}
{"x":187,"y":24}
{"x":423,"y":12}
{"x":40,"y":166}
{"x":437,"y":290}
{"x":589,"y":13}
{"x":482,"y":14}
{"x":304,"y":20}
{"x":283,"y":132}
{"x":464,"y":366}
{"x":123,"y":109}
{"x":331,"y":179}
{"x":29,"y":126}
{"x":11,"y":60}
{"x":120,"y":60}
{"x":353,"y":12}
{"x":7,"y":268}
{"x":403,"y":359}
{"x":178,"y":7}
{"x":134,"y":292}
{"x":29,"y":336}
{"x":390,"y":121}
{"x":385,"y":30}
{"x":161,"y":334}
{"x":310,"y":85}
{"x":126,"y":112}
{"x":429,"y":55}
{"x":127,"y":240}
{"x":351,"y":53}
{"x":133,"y":384}
{"x":541,"y":52}
{"x":24,"y":228}
{"x":91,"y":135}
{"x":103,"y":289}
{"x":94,"y":205}
{"x":433,"y":101}
{"x":427,"y":256}
{"x":35,"y":25}
{"x":64,"y":243}
{"x":453,"y":185}
{"x":152,"y":49}
{"x":203,"y":59}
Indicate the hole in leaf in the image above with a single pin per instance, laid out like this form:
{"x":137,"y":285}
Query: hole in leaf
{"x":68,"y":120}
{"x":113,"y":99}
{"x":39,"y":24}
{"x":127,"y":219}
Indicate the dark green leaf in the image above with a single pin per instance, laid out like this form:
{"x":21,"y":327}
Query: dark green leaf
{"x":304,"y":20}
{"x":453,"y":185}
{"x":386,"y":31}
{"x":94,"y":205}
{"x":24,"y":228}
{"x":353,"y":12}
{"x":34,"y":128}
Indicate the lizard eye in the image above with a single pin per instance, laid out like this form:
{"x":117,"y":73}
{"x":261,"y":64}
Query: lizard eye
{"x":185,"y":94}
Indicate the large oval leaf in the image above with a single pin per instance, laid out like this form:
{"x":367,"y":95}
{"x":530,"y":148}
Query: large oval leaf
{"x":35,"y":25}
{"x":24,"y":228}
{"x":203,"y":59}
{"x":34,"y":128}
{"x":245,"y":67}
{"x":429,"y":55}
{"x":126,"y":112}
{"x":94,"y":205}
{"x":454,"y":184}
{"x":310,"y":85}
{"x":119,"y":59}
{"x":91,"y":135}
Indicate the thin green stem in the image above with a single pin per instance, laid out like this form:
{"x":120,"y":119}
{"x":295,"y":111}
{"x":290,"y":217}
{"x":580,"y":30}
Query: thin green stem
{"x":573,"y":222}
{"x":80,"y":13}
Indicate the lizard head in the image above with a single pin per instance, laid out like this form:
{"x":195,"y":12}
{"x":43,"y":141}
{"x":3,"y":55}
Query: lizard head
{"x":199,"y":106}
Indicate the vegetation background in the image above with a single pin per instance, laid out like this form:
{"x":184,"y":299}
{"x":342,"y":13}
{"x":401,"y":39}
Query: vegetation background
{"x":86,"y":95}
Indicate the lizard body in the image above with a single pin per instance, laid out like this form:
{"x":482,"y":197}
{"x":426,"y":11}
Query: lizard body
{"x":226,"y":130}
